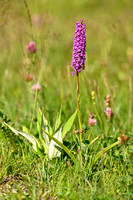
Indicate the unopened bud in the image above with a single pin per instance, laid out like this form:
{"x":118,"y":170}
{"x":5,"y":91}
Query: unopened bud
{"x":78,"y":149}
{"x":76,"y":131}
{"x":108,"y":96}
{"x":122,"y":138}
{"x":93,"y":93}
{"x":80,"y":130}
{"x":107,"y":104}
{"x":28,"y":77}
{"x":68,"y":163}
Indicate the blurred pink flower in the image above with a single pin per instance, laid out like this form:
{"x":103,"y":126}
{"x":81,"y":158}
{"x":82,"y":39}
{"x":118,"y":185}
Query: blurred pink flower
{"x":36,"y":86}
{"x":36,"y":19}
{"x":92,"y":121}
{"x":28,"y":77}
{"x":31,"y":47}
{"x":108,"y":112}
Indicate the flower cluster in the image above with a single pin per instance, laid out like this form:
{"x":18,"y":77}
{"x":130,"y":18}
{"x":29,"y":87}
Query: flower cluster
{"x":79,"y":47}
{"x":122,"y":138}
{"x":28,"y":77}
{"x":107,"y":101}
{"x":92,"y":121}
{"x":36,"y":87}
{"x":108,"y":112}
{"x":31,"y":47}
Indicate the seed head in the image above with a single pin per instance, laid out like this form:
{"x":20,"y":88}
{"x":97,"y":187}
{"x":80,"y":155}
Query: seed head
{"x":28,"y":77}
{"x":81,"y":130}
{"x":122,"y":138}
{"x":76,"y":131}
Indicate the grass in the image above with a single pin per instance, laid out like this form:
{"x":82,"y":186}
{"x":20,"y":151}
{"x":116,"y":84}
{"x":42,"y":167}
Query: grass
{"x":109,"y":60}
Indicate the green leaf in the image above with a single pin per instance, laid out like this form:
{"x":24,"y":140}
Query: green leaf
{"x":39,"y":128}
{"x":39,"y":153}
{"x":25,"y":129}
{"x":94,"y":140}
{"x":39,"y":115}
{"x":62,"y":146}
{"x":45,"y":137}
{"x":58,"y":120}
{"x":53,"y":151}
{"x":46,"y":125}
{"x":29,"y":137}
{"x":45,"y":121}
{"x":68,"y":124}
{"x":100,"y":153}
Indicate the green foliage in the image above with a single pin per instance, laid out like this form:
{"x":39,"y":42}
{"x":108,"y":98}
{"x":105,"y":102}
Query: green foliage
{"x":53,"y":144}
{"x":25,"y":174}
{"x":6,"y":134}
{"x":29,"y":137}
{"x":68,"y":124}
{"x":49,"y":143}
{"x":62,"y":146}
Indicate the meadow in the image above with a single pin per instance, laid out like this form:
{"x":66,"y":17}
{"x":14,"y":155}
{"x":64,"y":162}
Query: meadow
{"x":92,"y":168}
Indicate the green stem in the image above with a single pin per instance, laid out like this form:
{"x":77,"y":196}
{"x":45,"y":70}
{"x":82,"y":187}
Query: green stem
{"x":79,"y":116}
{"x":101,"y":126}
{"x":35,"y":101}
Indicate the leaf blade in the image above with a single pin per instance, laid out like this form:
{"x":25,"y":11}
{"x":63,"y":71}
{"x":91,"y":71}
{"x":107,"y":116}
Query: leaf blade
{"x":53,"y":151}
{"x":62,"y":146}
{"x":99,"y":154}
{"x":29,"y":137}
{"x":39,"y":128}
{"x":58,"y":120}
{"x":68,"y":124}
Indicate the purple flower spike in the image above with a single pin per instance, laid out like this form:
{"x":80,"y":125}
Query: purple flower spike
{"x":79,"y":48}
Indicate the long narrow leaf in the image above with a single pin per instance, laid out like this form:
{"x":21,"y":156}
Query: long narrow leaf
{"x":94,"y":140}
{"x":68,"y":124}
{"x":53,"y":151}
{"x":58,"y":120}
{"x":62,"y":146}
{"x":45,"y":137}
{"x":26,"y":130}
{"x":30,"y":138}
{"x":100,"y":153}
{"x":39,"y":128}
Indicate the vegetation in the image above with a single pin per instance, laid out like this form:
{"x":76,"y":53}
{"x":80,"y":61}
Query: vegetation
{"x":49,"y":149}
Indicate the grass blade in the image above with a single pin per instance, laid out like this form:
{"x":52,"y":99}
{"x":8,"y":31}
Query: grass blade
{"x":94,"y":140}
{"x":99,"y":154}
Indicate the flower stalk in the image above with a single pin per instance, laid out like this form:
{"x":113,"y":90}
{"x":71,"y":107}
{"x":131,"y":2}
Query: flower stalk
{"x":78,"y":106}
{"x":78,"y":64}
{"x":78,"y":60}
